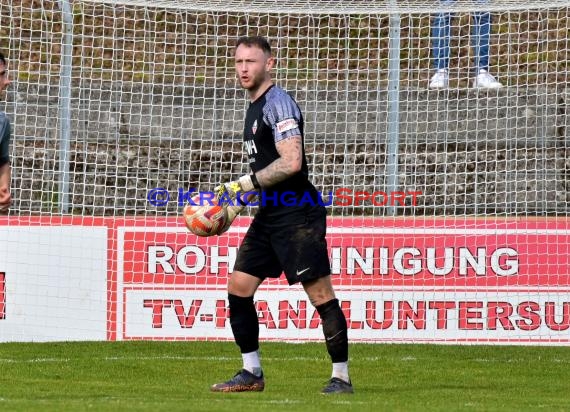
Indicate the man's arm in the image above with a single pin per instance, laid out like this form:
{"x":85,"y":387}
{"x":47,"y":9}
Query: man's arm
{"x":5,"y":169}
{"x":290,"y":162}
{"x":5,"y":177}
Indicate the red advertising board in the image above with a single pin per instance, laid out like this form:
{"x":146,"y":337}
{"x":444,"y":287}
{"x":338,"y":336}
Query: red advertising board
{"x":446,"y":280}
{"x":413,"y":280}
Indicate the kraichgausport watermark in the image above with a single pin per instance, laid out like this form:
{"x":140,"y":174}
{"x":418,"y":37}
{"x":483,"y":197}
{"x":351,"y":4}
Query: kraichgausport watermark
{"x":340,"y":197}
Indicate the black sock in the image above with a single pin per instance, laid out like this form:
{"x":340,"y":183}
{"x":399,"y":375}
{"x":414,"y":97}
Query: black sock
{"x":244,"y":323}
{"x":335,"y":330}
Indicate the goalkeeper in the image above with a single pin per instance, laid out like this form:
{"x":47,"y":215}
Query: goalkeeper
{"x":282,"y":238}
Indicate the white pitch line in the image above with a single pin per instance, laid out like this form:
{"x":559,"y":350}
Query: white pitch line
{"x":176,"y":358}
{"x":36,"y":360}
{"x":349,"y":403}
{"x":281,"y":402}
{"x":235,"y":358}
{"x":492,"y":360}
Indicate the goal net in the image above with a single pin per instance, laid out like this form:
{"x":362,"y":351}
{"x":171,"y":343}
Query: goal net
{"x":449,"y":196}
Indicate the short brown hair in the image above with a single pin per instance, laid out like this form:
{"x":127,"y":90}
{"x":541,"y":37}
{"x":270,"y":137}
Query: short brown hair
{"x":256,"y":41}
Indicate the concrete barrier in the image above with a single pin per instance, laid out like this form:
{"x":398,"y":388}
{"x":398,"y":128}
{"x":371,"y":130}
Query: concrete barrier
{"x":467,"y":151}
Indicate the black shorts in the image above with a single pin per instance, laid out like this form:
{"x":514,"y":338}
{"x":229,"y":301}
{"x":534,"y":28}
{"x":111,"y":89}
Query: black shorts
{"x":297,"y":247}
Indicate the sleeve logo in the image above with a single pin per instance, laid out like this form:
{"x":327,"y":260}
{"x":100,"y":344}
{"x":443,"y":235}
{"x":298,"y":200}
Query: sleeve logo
{"x":287,"y":124}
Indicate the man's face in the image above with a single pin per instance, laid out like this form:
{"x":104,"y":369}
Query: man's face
{"x":4,"y":79}
{"x":252,"y":66}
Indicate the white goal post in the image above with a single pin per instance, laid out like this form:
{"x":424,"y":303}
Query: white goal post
{"x":450,"y":214}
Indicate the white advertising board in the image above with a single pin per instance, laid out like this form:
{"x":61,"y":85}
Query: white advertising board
{"x":54,"y":283}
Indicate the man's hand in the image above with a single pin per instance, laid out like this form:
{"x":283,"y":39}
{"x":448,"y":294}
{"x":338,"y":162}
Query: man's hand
{"x":5,"y":199}
{"x":233,"y":205}
{"x":238,"y":188}
{"x":234,"y":196}
{"x":232,"y":212}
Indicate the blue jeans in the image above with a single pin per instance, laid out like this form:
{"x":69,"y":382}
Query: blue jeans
{"x":441,"y":34}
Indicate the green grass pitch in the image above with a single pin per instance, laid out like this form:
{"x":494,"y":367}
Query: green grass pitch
{"x":175,"y":376}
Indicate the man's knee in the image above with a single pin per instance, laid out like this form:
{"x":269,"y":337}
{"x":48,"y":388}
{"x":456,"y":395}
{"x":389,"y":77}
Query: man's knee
{"x":242,"y":284}
{"x":319,"y":290}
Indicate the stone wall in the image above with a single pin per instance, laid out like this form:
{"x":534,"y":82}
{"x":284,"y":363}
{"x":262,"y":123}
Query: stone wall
{"x":469,"y":152}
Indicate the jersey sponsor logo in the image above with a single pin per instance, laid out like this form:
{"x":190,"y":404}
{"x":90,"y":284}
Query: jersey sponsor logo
{"x":250,"y":147}
{"x":287,"y":124}
{"x":254,"y":127}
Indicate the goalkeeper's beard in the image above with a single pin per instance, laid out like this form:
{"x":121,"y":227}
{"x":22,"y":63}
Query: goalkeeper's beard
{"x":254,"y":84}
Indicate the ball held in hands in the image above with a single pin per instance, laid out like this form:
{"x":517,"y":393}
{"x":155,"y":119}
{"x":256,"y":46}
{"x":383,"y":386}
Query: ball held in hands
{"x":205,"y":220}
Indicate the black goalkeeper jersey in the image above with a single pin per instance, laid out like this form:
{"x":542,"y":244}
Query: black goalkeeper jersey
{"x":273,"y":117}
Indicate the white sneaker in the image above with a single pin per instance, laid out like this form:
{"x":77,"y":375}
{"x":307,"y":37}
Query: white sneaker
{"x":439,"y":80}
{"x":485,"y":80}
